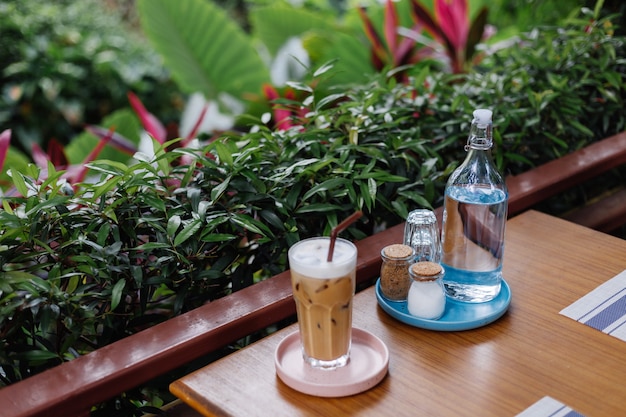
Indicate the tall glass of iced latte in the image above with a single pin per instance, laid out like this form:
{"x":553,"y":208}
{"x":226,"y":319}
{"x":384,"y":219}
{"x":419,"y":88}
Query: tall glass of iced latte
{"x":323,"y":292}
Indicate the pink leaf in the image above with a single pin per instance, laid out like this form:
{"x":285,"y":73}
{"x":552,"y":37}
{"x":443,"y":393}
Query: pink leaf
{"x":96,"y":151}
{"x":56,"y":154}
{"x":197,"y":125}
{"x":39,"y":156}
{"x":391,"y":26}
{"x":116,"y":140}
{"x":378,"y":49}
{"x":5,"y":140}
{"x":281,"y":116}
{"x":77,"y":174}
{"x":454,"y":22}
{"x":404,"y":51}
{"x":270,"y":92}
{"x":423,"y":17}
{"x":152,"y":125}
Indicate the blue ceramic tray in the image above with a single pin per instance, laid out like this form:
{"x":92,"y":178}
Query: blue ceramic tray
{"x":457,"y":316}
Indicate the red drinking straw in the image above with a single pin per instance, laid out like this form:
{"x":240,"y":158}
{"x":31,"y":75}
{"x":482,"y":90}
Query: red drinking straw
{"x":340,"y":228}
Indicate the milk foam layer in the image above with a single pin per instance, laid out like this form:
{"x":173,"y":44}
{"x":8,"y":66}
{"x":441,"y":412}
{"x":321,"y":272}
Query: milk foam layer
{"x":309,"y":258}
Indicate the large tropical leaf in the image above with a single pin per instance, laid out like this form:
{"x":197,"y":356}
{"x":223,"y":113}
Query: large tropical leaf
{"x":203,"y":48}
{"x":351,"y":57}
{"x":275,"y":24}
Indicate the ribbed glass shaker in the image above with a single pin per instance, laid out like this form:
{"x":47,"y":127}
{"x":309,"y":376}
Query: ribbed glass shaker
{"x":421,"y":232}
{"x":394,"y":272}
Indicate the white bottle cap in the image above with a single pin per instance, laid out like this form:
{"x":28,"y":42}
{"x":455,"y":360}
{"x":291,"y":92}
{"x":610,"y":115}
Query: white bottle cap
{"x":482,"y":116}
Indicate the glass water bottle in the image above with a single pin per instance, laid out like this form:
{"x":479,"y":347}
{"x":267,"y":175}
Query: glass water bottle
{"x":475,"y":212}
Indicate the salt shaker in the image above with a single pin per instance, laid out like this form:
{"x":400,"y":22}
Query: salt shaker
{"x":394,"y":272}
{"x":426,"y":298}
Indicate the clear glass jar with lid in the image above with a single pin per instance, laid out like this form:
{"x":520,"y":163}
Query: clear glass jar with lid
{"x":426,"y":298}
{"x":394,"y":272}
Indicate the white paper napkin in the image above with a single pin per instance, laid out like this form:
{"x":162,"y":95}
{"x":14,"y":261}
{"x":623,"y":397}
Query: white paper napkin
{"x":604,"y":308}
{"x":549,"y":407}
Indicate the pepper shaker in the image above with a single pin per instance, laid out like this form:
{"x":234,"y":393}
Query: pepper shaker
{"x":394,"y":272}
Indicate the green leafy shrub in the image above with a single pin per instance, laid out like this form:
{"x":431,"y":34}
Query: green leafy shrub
{"x":553,"y":90}
{"x":68,"y":63}
{"x":83,"y":268}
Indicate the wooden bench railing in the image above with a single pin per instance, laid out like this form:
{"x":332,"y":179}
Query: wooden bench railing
{"x":552,"y":178}
{"x":72,"y":388}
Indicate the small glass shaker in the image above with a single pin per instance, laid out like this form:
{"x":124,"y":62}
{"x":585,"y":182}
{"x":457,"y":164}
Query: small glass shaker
{"x":421,"y":232}
{"x":426,"y":298}
{"x":394,"y":272}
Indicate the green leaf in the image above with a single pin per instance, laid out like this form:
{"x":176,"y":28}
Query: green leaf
{"x":116,"y":294}
{"x":367,"y":194}
{"x":318,"y":208}
{"x":271,"y":218}
{"x":188,"y":231}
{"x":218,"y":190}
{"x":72,"y":284}
{"x":217,"y":237}
{"x":329,"y":99}
{"x":19,"y":183}
{"x":38,"y":356}
{"x":7,"y":206}
{"x":226,"y":157}
{"x":41,"y":284}
{"x":252,"y":225}
{"x":16,"y":277}
{"x":173,"y":224}
{"x":108,"y":167}
{"x":105,"y":187}
{"x":153,"y":245}
{"x":154,"y":201}
{"x":256,"y":182}
{"x":327,"y":185}
{"x":287,"y":172}
{"x":581,"y":128}
{"x":203,"y":48}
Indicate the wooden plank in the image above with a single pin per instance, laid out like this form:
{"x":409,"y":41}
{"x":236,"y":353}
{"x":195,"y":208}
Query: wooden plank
{"x":606,"y":214}
{"x":547,"y":180}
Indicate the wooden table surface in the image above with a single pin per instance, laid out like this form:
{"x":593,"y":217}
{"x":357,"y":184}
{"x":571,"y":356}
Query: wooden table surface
{"x":497,"y":370}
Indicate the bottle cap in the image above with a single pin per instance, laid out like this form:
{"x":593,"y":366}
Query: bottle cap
{"x":480,"y":135}
{"x":482,"y":116}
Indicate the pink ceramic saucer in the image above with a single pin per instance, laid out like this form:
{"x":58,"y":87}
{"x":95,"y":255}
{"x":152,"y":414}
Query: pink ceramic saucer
{"x":368,"y":365}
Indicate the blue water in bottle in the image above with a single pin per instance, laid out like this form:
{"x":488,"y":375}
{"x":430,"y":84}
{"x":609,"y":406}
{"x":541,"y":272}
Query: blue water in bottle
{"x":474,"y":242}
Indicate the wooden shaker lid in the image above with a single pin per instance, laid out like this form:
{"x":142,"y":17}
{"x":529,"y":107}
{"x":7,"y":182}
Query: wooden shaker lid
{"x":397,"y":251}
{"x":426,"y":269}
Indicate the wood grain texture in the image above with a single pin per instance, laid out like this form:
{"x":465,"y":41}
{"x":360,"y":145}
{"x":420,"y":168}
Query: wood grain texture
{"x":497,"y":370}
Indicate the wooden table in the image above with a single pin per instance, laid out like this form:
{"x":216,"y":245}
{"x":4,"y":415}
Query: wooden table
{"x":497,"y":370}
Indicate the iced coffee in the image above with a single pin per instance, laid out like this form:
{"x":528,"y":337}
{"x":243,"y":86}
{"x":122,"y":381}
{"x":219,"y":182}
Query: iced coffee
{"x":323,"y":292}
